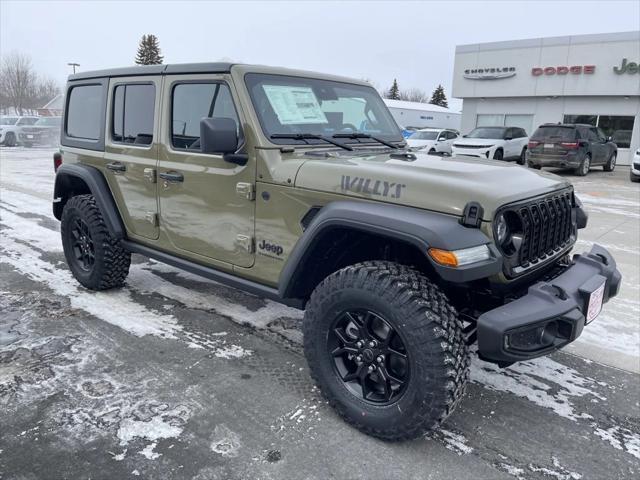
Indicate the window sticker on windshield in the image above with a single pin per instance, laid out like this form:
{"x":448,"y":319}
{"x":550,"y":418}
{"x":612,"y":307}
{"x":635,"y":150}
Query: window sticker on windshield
{"x":294,"y":105}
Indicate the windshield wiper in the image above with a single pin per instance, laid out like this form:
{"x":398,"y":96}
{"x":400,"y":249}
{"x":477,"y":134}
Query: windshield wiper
{"x":310,"y":136}
{"x":357,"y":135}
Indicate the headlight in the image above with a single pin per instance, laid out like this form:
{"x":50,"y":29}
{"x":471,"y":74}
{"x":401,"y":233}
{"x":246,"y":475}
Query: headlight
{"x":458,"y":258}
{"x":502,"y":230}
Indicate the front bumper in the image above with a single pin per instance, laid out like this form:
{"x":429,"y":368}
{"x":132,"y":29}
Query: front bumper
{"x":551,"y":315}
{"x":484,"y":152}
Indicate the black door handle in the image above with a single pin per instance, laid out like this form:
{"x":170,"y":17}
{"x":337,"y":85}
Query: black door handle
{"x":116,"y":167}
{"x":173,"y":177}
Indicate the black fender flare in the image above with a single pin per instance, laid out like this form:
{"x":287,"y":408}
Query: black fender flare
{"x":97,"y":185}
{"x":420,"y":228}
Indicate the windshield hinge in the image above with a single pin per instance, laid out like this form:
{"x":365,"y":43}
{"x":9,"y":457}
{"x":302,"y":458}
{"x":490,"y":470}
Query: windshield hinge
{"x":246,"y":190}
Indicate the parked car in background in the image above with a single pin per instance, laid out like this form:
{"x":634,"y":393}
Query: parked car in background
{"x":499,"y":143}
{"x":576,"y":146}
{"x":46,"y":131}
{"x":11,"y":126}
{"x":433,"y":140}
{"x":634,"y":174}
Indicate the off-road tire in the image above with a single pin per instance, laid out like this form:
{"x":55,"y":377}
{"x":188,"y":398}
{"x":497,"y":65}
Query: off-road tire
{"x":498,"y":154}
{"x":111,"y":265}
{"x":611,"y":163}
{"x":584,"y":167}
{"x":10,"y":140}
{"x":421,"y":313}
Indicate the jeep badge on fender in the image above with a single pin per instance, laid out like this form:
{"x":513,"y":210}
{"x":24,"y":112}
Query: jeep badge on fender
{"x":371,"y":239}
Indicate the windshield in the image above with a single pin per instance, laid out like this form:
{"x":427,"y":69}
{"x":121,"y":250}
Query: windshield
{"x":424,"y":136}
{"x":487,"y":132}
{"x":48,"y":121}
{"x":8,"y":120}
{"x":295,"y":105}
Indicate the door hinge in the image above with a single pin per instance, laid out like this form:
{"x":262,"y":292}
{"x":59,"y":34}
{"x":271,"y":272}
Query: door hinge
{"x":152,"y":218}
{"x":246,"y":190}
{"x":150,"y":174}
{"x":245,"y":242}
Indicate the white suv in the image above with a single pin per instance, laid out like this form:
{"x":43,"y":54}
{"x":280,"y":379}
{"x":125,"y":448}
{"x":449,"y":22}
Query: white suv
{"x":499,"y":143}
{"x":433,"y":140}
{"x":10,"y":128}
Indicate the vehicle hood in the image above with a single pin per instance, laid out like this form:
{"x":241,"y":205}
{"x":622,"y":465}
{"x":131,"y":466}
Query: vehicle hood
{"x":443,"y":184}
{"x":480,"y":142}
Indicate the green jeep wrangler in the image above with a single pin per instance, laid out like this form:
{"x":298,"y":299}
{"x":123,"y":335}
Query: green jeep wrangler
{"x":298,"y":187}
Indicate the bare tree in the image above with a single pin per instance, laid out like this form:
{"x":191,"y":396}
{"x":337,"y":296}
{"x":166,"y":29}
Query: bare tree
{"x":414,"y":95}
{"x":46,"y":89}
{"x":18,"y":81}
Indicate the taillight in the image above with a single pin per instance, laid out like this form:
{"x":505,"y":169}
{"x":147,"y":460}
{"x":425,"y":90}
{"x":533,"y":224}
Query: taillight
{"x":57,"y":161}
{"x":570,"y":145}
{"x":533,"y":144}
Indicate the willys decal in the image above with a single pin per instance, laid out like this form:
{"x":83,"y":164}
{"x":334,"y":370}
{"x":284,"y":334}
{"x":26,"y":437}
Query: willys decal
{"x":369,"y":186}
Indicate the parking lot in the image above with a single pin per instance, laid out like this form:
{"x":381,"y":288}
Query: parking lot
{"x":178,"y":377}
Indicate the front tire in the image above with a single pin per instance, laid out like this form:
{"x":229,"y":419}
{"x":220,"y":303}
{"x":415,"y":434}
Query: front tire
{"x":498,"y":154}
{"x":10,"y":140}
{"x":386,"y":348}
{"x":96,"y":259}
{"x":611,"y":163}
{"x":522,"y":160}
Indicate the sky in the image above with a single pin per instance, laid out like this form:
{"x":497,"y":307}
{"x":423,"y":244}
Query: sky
{"x":378,"y":40}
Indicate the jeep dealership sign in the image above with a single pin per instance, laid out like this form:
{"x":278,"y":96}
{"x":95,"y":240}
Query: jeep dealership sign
{"x":493,"y":73}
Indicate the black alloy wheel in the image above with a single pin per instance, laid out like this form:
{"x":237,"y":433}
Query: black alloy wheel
{"x":369,"y":356}
{"x":82,"y":244}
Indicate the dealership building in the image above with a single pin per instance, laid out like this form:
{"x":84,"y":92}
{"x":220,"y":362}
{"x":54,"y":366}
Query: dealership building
{"x":593,"y":79}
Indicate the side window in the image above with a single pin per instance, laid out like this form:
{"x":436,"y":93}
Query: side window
{"x":509,"y":133}
{"x":601,"y":135}
{"x":451,"y":135}
{"x":84,"y":112}
{"x":521,"y":133}
{"x":193,"y":101}
{"x":593,"y":135}
{"x":132,"y":119}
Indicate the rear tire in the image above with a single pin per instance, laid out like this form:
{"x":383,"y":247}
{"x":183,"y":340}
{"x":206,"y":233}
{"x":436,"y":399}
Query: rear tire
{"x":418,"y":321}
{"x":522,"y":160}
{"x":584,"y":167}
{"x":611,"y":163}
{"x":498,"y":154}
{"x":10,"y":140}
{"x":95,"y":258}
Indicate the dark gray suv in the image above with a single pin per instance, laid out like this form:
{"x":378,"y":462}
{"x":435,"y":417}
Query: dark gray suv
{"x":575,"y":146}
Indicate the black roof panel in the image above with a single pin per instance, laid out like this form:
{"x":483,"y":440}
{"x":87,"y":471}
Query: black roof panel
{"x":218,"y":67}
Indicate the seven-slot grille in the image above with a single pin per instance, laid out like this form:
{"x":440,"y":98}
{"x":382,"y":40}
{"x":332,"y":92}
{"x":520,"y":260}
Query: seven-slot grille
{"x":547,"y":227}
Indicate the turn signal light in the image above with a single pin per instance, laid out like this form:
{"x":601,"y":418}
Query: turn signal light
{"x":444,"y":257}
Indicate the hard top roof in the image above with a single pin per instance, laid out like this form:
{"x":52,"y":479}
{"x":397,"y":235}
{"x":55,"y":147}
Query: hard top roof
{"x":204,"y":68}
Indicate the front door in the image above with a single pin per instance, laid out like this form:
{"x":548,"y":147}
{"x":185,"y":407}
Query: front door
{"x":206,"y":203}
{"x":131,"y":152}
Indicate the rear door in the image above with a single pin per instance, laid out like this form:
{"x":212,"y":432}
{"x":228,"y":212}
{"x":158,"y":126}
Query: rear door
{"x":510,"y":145}
{"x":131,"y":151}
{"x":598,"y":146}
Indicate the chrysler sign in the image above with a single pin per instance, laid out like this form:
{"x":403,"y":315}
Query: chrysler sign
{"x":492,"y":73}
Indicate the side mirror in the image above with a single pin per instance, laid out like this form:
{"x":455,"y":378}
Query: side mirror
{"x":218,"y":135}
{"x":464,"y":136}
{"x":609,"y":139}
{"x":508,"y":138}
{"x":442,"y":139}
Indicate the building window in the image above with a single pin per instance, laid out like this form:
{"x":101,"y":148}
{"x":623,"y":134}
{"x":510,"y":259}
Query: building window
{"x":618,"y":127}
{"x":506,"y":120}
{"x":133,"y":107}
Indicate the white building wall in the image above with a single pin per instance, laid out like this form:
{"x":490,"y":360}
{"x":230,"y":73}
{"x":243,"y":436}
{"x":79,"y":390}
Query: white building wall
{"x":425,"y":118}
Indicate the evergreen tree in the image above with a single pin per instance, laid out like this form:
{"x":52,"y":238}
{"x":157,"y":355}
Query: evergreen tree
{"x":438,"y":97}
{"x":394,"y":91}
{"x":149,"y":51}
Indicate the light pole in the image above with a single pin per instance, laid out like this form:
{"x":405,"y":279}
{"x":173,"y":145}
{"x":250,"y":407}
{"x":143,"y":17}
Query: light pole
{"x":74,"y":65}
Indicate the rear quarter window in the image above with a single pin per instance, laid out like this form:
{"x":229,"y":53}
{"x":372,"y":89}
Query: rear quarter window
{"x":85,"y":115}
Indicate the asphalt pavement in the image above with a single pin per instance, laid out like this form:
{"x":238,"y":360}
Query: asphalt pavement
{"x":177,"y":377}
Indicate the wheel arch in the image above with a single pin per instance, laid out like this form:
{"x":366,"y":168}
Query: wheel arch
{"x":347,"y":232}
{"x":72,"y":180}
